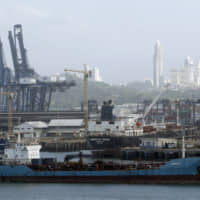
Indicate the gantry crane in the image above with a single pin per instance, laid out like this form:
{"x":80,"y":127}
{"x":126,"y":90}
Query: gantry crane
{"x":10,"y":95}
{"x":87,"y":73}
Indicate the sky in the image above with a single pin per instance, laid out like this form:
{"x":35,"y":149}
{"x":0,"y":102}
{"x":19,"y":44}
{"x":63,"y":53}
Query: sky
{"x":117,"y":36}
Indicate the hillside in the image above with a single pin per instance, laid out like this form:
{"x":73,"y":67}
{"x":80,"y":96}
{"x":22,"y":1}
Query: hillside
{"x":132,"y":93}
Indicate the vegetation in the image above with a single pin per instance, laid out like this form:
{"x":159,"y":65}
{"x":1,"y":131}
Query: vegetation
{"x":131,"y":93}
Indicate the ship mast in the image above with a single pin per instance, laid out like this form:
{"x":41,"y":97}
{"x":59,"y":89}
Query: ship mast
{"x":183,"y":143}
{"x":182,"y":131}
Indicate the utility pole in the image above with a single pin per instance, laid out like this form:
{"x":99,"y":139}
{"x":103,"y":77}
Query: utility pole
{"x":183,"y":143}
{"x":10,"y":125}
{"x":183,"y":122}
{"x":86,"y":73}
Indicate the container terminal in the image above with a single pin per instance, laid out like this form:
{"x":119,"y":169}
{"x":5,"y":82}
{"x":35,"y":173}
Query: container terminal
{"x":25,"y":97}
{"x":160,"y":138}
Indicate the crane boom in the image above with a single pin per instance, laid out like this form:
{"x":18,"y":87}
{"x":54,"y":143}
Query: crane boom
{"x":72,"y":70}
{"x":150,"y":107}
{"x":152,"y":104}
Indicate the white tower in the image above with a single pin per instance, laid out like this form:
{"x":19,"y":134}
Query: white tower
{"x":158,"y":66}
{"x":188,"y":62}
{"x":96,"y":75}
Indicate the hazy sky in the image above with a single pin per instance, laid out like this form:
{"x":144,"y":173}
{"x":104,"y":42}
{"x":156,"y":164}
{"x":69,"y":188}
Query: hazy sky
{"x":118,"y":36}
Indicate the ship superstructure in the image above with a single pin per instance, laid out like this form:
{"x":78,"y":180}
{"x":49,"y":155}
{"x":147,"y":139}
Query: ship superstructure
{"x":23,"y":153}
{"x":113,"y":131}
{"x":114,"y":125}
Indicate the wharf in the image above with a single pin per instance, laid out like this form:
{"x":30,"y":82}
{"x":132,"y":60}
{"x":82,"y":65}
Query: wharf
{"x":20,"y":117}
{"x":154,"y":154}
{"x":63,"y":145}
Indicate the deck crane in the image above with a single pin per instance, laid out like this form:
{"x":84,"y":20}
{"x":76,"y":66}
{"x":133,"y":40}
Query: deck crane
{"x":151,"y":105}
{"x":10,"y":125}
{"x":87,"y":73}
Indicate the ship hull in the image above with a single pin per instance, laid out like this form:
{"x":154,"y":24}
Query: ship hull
{"x":109,"y":142}
{"x":177,"y":171}
{"x":166,"y":179}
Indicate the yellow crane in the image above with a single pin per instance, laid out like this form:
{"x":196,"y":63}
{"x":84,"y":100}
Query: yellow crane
{"x":87,"y":73}
{"x":10,"y":95}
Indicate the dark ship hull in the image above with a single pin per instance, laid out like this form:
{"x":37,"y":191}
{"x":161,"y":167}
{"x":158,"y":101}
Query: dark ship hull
{"x":172,"y":179}
{"x":110,"y":142}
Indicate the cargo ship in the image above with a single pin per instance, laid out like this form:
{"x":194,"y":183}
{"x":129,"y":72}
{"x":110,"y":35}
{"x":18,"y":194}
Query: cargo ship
{"x":179,"y":171}
{"x":22,"y":163}
{"x":111,"y":131}
{"x":118,"y":129}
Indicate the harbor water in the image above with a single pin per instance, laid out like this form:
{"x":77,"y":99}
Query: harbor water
{"x":98,"y":192}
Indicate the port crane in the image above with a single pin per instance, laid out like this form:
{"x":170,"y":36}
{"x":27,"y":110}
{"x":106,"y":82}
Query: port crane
{"x":86,"y":73}
{"x":33,"y":92}
{"x":151,"y":105}
{"x":10,"y":125}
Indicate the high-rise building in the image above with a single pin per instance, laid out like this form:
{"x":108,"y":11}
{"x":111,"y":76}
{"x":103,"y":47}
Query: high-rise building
{"x":96,"y":75}
{"x":187,"y":76}
{"x":158,"y":66}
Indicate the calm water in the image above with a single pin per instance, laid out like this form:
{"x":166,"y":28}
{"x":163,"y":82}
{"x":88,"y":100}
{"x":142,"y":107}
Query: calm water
{"x":97,"y":192}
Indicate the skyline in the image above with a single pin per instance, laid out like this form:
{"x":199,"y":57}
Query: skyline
{"x":114,"y":36}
